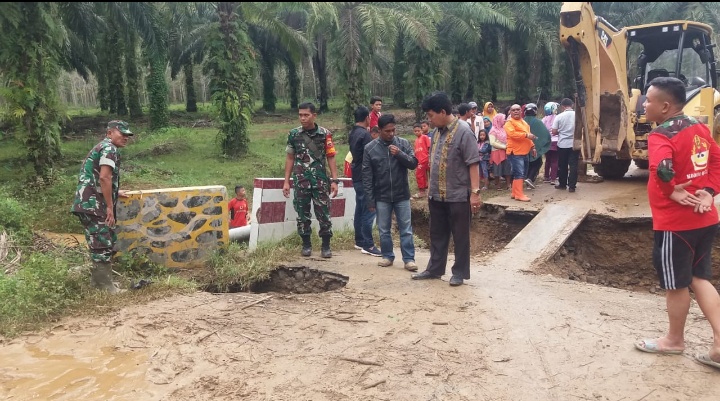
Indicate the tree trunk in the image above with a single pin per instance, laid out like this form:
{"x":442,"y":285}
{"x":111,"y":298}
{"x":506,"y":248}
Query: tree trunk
{"x":117,"y":81}
{"x":293,"y":83}
{"x":546,"y":74}
{"x":399,"y":72}
{"x":566,"y":76}
{"x":522,"y":67}
{"x":320,"y":66}
{"x":268,"y":80}
{"x":457,"y":78}
{"x":190,"y":97}
{"x":231,"y":70}
{"x":133,"y":81}
{"x":158,"y":90}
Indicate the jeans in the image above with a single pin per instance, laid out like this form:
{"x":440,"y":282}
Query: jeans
{"x":520,"y":164}
{"x":384,"y":222}
{"x":363,"y":219}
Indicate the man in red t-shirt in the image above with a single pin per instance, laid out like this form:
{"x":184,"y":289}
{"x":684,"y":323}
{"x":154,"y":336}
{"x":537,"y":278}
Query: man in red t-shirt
{"x":422,"y":152}
{"x":238,"y":207}
{"x":684,"y":177}
{"x":375,"y":107}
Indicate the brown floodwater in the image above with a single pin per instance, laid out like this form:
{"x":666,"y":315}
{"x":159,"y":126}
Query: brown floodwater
{"x":71,"y":371}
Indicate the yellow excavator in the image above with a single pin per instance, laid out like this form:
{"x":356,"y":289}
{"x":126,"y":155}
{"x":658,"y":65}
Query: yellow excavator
{"x":613,"y":68}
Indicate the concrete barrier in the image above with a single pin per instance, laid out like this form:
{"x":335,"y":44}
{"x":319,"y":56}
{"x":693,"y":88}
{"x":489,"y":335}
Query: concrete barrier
{"x":174,"y":227}
{"x":274,"y":217}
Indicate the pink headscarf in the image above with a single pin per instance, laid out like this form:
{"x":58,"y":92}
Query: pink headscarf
{"x":497,"y":129}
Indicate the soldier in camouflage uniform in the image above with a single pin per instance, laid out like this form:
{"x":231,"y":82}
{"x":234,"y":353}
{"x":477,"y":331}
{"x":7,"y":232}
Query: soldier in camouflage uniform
{"x":95,"y":200}
{"x":309,"y":149}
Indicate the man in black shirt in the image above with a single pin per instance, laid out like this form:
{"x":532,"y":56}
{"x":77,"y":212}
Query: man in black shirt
{"x":358,"y":138}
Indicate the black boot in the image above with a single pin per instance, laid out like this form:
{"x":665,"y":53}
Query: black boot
{"x":325,"y":251}
{"x":307,"y":245}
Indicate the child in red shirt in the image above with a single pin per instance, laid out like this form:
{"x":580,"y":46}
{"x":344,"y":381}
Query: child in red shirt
{"x":238,"y":207}
{"x":422,"y":152}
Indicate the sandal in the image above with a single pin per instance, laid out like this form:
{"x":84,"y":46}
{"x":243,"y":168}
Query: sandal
{"x":653,"y":347}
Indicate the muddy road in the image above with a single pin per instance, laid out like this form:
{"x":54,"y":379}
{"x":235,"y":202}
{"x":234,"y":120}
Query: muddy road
{"x":513,"y":332}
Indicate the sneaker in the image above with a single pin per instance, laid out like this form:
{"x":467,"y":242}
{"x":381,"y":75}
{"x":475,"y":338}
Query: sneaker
{"x":529,"y":183}
{"x":571,"y":189}
{"x":411,"y":266}
{"x":358,"y":247}
{"x":372,"y":251}
{"x":385,"y":263}
{"x":563,"y":187}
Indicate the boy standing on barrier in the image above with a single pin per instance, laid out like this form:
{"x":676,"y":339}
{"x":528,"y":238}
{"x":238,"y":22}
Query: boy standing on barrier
{"x":310,"y":150}
{"x":684,"y":178}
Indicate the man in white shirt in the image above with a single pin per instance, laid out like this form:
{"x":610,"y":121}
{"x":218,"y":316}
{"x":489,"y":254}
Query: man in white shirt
{"x":564,"y":128}
{"x":474,"y":120}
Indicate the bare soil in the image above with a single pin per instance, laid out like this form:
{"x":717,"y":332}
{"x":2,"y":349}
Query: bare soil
{"x":504,"y":335}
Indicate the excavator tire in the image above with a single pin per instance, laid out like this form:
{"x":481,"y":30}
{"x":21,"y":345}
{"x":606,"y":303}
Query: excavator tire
{"x":612,"y":168}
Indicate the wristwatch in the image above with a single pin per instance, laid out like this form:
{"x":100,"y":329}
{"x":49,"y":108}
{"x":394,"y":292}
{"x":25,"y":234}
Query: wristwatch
{"x":476,"y":191}
{"x":335,"y":181}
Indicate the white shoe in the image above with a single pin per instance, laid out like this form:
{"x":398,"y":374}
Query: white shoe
{"x":359,"y":248}
{"x":529,"y":183}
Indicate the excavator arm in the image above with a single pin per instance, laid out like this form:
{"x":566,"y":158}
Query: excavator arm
{"x":597,"y":50}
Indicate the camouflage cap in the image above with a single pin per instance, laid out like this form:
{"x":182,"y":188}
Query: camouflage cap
{"x":121,"y":126}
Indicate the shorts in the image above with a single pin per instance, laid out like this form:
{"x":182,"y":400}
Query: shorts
{"x":678,"y":256}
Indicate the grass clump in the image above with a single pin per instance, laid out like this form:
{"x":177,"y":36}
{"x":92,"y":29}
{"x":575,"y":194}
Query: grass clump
{"x":236,"y":268}
{"x":39,"y":291}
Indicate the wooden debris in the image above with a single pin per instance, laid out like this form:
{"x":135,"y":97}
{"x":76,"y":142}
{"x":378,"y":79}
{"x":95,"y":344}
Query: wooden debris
{"x":360,"y":361}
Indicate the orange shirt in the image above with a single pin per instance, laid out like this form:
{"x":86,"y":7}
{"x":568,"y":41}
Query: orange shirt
{"x":517,"y":141}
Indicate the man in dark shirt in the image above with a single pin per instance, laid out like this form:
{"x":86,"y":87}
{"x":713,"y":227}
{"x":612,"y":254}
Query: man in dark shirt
{"x":358,"y":138}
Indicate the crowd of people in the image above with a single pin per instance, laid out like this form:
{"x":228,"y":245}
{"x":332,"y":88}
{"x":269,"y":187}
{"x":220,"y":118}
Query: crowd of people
{"x":463,"y":151}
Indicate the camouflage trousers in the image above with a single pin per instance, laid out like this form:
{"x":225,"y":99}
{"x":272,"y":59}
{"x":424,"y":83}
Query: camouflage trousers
{"x":99,"y":236}
{"x":321,"y":203}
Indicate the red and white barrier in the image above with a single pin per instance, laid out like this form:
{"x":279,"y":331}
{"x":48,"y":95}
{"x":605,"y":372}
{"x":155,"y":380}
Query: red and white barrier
{"x":274,"y":217}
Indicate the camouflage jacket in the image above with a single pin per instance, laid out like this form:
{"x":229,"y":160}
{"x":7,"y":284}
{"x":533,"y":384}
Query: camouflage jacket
{"x":311,"y":149}
{"x":88,"y":196}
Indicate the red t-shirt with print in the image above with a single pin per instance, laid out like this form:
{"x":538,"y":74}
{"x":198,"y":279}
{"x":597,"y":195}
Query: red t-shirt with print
{"x":695,"y":157}
{"x":238,"y":210}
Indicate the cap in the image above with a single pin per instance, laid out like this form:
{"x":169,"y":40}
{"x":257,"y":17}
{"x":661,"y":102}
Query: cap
{"x":473,"y":105}
{"x":121,"y":126}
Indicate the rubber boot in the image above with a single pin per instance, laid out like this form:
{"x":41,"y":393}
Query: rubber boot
{"x":518,"y":189}
{"x":325,"y":251}
{"x":101,"y":275}
{"x":307,"y":246}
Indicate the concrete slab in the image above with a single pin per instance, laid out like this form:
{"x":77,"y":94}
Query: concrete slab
{"x":546,"y":233}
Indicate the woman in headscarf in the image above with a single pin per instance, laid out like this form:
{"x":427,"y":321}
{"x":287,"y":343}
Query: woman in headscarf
{"x":551,"y":158}
{"x":498,"y":158}
{"x":489,"y":111}
{"x":541,"y":142}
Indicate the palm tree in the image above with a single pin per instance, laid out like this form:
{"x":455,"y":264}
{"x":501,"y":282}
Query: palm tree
{"x":36,"y":41}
